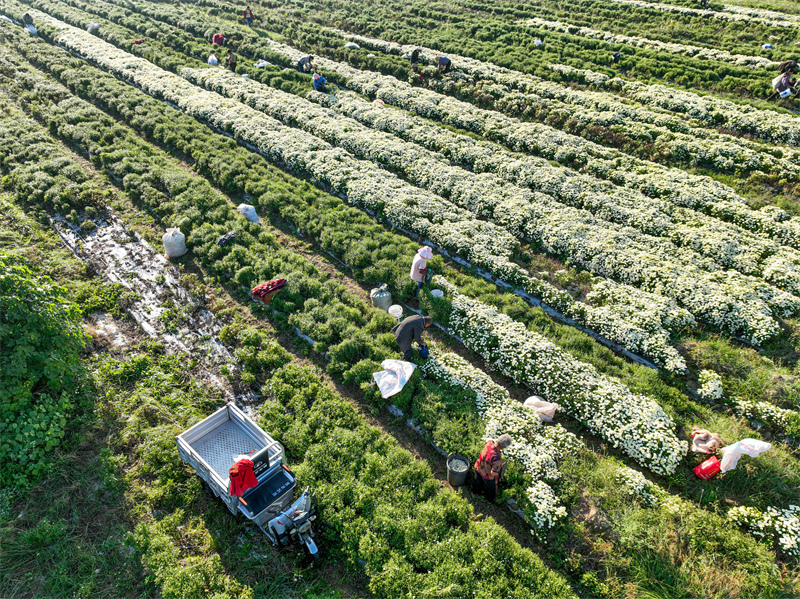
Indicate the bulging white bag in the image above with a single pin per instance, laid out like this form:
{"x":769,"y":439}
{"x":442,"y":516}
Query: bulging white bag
{"x":393,"y":377}
{"x":212,"y":60}
{"x":174,"y":243}
{"x":732,"y":453}
{"x":93,"y":27}
{"x":248,"y":212}
{"x":544,"y":409}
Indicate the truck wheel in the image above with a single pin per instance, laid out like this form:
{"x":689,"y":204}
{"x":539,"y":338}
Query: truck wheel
{"x":313,"y":558}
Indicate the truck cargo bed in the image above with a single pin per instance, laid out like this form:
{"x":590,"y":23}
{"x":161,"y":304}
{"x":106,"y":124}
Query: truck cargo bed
{"x":218,"y":447}
{"x":210,"y":448}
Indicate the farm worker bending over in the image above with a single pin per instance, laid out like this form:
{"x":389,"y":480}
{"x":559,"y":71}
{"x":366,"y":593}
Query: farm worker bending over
{"x":419,"y":268}
{"x":248,"y":16}
{"x":414,"y":58}
{"x":784,"y":81}
{"x":319,"y":83}
{"x":411,"y":329}
{"x":443,"y":63}
{"x":304,"y":64}
{"x":490,"y":467}
{"x":231,"y":62}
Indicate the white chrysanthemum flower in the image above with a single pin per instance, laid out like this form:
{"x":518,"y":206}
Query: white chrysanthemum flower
{"x":710,"y":386}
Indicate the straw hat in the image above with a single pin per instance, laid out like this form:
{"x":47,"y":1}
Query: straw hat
{"x":425,"y":252}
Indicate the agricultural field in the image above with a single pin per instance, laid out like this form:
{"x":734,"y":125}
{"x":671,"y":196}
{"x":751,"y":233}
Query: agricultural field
{"x":613,"y":207}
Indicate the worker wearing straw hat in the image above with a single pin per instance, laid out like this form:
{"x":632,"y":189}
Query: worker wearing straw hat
{"x":419,"y":268}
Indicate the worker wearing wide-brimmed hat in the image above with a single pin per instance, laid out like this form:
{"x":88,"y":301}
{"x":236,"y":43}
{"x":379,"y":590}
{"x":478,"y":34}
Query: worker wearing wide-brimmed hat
{"x":419,"y":268}
{"x":489,"y":467}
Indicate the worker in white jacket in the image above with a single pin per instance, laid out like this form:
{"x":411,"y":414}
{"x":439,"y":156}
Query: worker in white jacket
{"x":419,"y":268}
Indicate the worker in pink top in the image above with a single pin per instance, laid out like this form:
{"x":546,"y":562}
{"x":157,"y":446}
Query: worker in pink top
{"x":490,"y":466}
{"x":420,"y":267}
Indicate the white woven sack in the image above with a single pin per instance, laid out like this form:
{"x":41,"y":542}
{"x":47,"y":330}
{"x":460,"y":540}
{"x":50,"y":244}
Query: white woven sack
{"x":174,"y":243}
{"x":248,"y":212}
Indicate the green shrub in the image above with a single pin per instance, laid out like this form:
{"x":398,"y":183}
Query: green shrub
{"x":40,"y":343}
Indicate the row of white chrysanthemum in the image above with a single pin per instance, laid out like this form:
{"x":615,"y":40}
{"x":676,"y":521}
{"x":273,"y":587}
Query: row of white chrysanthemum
{"x":535,"y":446}
{"x":736,"y":14}
{"x":779,"y":419}
{"x":560,"y":229}
{"x":711,"y":110}
{"x":669,"y":134}
{"x":727,"y":244}
{"x":761,"y":13}
{"x":742,"y":118}
{"x":632,"y":423}
{"x":697,"y":192}
{"x":783,"y":525}
{"x":643,"y":42}
{"x":486,"y":245}
{"x":607,"y":36}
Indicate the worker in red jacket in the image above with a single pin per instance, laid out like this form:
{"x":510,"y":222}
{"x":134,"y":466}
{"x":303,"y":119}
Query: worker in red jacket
{"x":248,"y":16}
{"x":489,"y":467}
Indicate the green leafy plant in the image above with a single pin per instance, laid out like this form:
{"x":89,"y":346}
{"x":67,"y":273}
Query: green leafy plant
{"x":40,"y":344}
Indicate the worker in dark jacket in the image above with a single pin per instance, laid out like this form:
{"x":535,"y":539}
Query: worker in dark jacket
{"x":414,"y":58}
{"x":304,"y":64}
{"x":409,"y":330}
{"x":489,"y":467}
{"x":443,"y":63}
{"x":231,"y":61}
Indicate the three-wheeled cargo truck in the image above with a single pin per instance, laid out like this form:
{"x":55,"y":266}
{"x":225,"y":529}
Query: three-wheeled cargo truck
{"x":214,"y":444}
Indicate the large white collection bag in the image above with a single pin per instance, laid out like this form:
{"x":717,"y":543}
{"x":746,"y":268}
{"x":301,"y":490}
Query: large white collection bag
{"x":249,"y":212}
{"x":174,"y":243}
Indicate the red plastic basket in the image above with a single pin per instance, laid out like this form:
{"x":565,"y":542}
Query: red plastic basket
{"x":708,"y":469}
